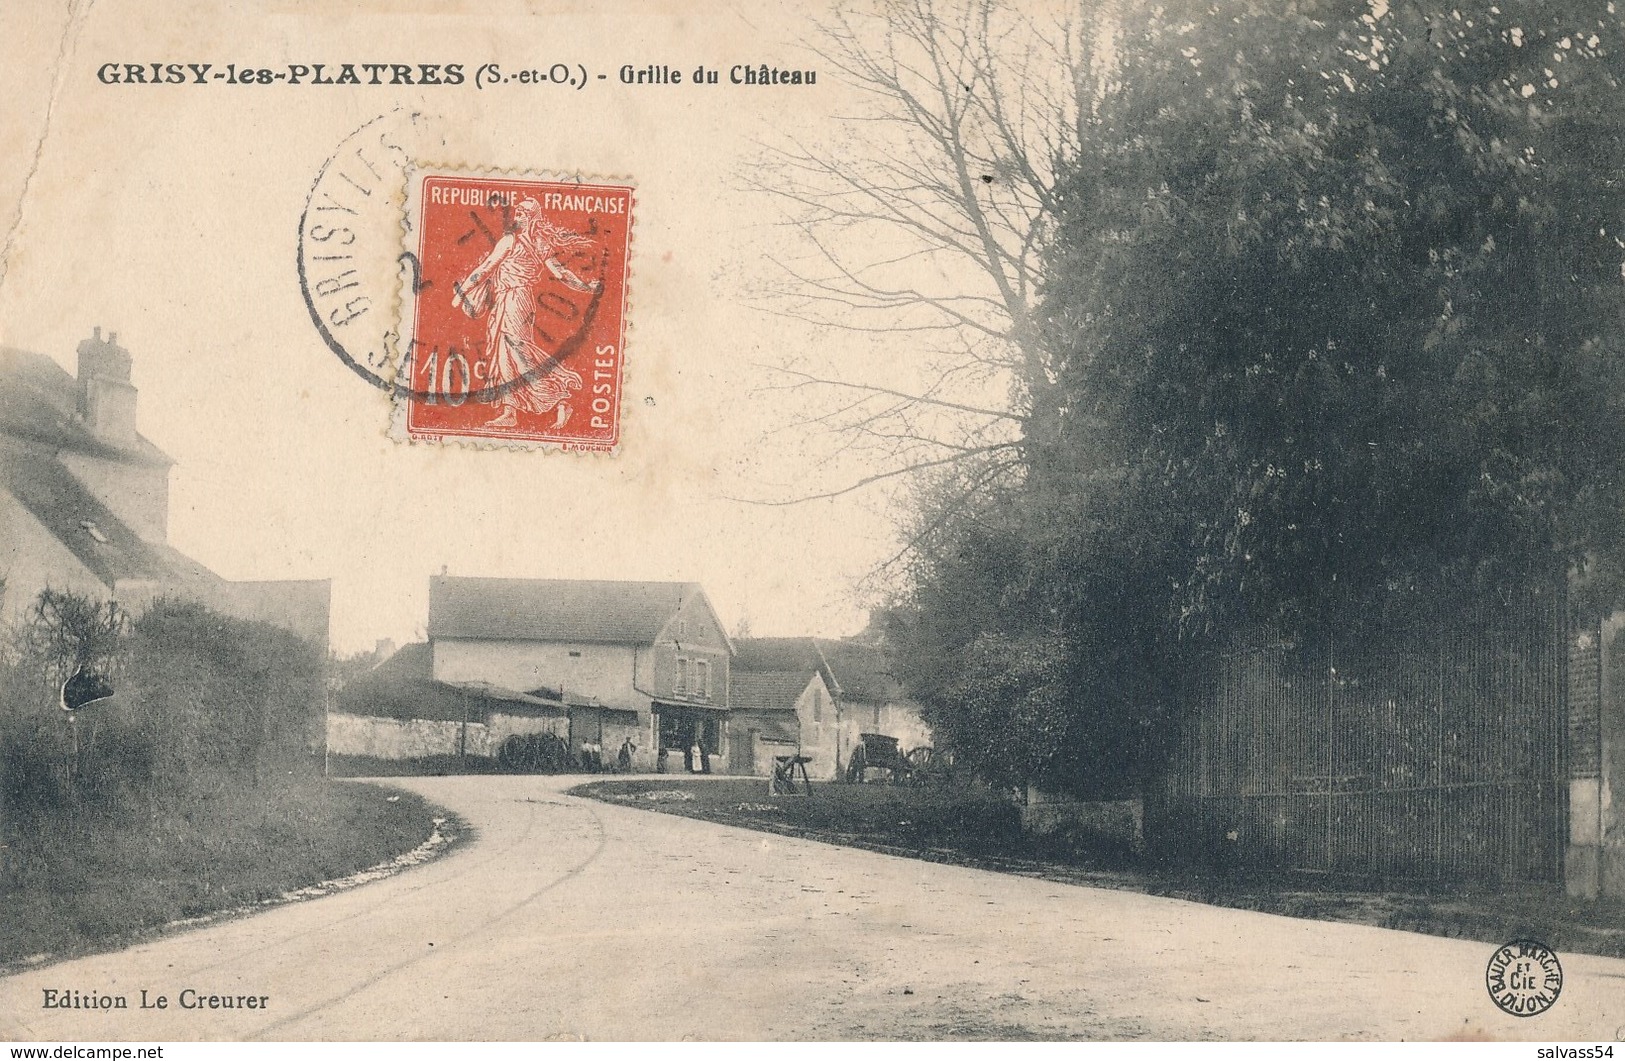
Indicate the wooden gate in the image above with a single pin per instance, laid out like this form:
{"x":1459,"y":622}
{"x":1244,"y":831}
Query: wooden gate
{"x":1436,"y":753}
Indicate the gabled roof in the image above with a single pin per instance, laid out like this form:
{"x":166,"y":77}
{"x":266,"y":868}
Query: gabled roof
{"x":556,"y":609}
{"x":38,"y":399}
{"x":108,"y":548}
{"x":853,"y":670}
{"x":782,"y":655}
{"x":763,"y":654}
{"x":771,"y":691}
{"x":862,"y":671}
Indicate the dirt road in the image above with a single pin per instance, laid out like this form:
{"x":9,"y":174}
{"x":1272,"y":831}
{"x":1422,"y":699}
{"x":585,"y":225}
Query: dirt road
{"x":567,"y":918}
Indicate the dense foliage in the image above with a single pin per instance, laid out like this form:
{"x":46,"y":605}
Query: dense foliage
{"x":1330,"y":319}
{"x":204,"y":702}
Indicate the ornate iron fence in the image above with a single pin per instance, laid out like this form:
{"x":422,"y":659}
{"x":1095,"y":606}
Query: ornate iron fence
{"x":1437,"y":752}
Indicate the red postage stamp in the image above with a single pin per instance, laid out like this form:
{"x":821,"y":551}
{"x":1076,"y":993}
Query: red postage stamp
{"x":514,"y":325}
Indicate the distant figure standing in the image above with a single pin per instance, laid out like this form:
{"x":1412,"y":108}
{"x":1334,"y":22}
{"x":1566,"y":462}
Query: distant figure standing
{"x":623,"y":761}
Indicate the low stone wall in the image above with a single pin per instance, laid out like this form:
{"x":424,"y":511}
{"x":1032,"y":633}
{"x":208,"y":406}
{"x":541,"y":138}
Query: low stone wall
{"x":1085,"y":823}
{"x":391,"y":738}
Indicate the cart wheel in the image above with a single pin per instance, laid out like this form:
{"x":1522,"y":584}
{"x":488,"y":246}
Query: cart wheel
{"x":856,"y":765}
{"x":924,"y":766}
{"x":511,"y":756}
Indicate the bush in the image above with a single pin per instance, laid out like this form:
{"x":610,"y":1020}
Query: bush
{"x":203,"y":702}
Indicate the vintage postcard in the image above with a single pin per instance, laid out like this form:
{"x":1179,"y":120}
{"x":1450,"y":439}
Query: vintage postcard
{"x":886,"y":520}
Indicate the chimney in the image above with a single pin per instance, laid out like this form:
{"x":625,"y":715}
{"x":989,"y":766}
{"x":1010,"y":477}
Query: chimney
{"x":106,"y":398}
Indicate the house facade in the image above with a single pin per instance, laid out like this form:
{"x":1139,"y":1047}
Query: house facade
{"x":782,"y":703}
{"x":84,"y":500}
{"x":870,"y":698}
{"x":644,"y":662}
{"x":825,"y":693}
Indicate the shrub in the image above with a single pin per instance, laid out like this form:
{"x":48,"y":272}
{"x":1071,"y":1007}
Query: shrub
{"x":203,"y":702}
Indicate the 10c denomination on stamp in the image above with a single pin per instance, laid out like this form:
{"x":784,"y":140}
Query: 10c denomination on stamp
{"x":513,"y":327}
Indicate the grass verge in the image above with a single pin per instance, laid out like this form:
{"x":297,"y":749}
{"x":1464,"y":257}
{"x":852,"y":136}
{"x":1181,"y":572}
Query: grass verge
{"x":75,"y":884}
{"x":974,"y":828}
{"x":423,"y":766}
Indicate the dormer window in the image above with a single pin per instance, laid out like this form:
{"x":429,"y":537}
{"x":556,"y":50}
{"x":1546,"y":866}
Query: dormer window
{"x":94,"y":531}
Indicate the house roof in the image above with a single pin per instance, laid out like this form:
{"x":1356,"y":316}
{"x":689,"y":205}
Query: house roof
{"x":555,"y":609}
{"x":108,"y":548}
{"x":776,"y":655}
{"x":38,"y":403}
{"x":862,"y":671}
{"x":401,"y":687}
{"x":853,"y":670}
{"x":770,"y":691}
{"x":765,"y":654}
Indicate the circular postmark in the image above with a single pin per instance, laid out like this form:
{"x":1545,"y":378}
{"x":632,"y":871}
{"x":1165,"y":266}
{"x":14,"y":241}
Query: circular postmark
{"x":350,"y":257}
{"x":355,"y":269}
{"x":1524,"y":978}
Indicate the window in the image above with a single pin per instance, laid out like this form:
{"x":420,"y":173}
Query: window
{"x":682,"y":674}
{"x":702,"y":679}
{"x":818,"y":703}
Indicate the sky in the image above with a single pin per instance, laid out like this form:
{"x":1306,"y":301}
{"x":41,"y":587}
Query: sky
{"x":170,"y":214}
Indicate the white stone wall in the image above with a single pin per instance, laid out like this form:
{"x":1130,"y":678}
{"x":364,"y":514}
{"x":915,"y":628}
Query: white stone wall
{"x":391,"y":738}
{"x":601,"y":671}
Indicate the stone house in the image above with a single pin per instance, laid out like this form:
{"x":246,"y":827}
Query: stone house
{"x":84,"y":500}
{"x":398,"y":711}
{"x":781,"y":704}
{"x":824,"y":692}
{"x":647,"y":662}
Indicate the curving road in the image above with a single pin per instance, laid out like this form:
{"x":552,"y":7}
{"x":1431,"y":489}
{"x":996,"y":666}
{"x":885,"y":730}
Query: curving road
{"x":569,"y":919}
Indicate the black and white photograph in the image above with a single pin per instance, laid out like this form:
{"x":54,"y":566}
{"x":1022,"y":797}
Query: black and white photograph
{"x":897,"y":521}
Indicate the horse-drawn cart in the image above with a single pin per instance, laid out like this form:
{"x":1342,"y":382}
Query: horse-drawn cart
{"x":535,"y":753}
{"x":879,"y":753}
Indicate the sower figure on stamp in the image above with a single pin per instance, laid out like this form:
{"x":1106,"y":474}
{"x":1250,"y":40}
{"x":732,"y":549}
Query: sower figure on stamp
{"x":503,"y":288}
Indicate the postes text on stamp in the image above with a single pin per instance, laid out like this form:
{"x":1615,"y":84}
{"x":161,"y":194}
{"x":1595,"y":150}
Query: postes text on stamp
{"x":1524,"y":978}
{"x":514,"y":325}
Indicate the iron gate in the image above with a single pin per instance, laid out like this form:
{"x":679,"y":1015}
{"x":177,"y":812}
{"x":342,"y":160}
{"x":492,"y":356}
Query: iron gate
{"x":1437,"y":753}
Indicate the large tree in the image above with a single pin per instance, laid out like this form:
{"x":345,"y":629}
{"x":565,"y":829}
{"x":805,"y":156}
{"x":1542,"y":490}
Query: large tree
{"x":920,"y":223}
{"x":1329,"y":315}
